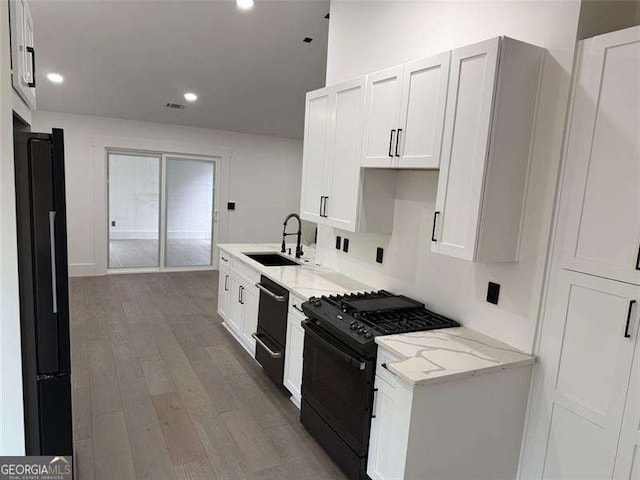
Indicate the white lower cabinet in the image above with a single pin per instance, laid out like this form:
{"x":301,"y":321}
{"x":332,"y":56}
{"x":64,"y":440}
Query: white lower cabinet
{"x":294,"y":350}
{"x":238,"y":300}
{"x":224,"y":292}
{"x":389,"y":430}
{"x":588,"y":344}
{"x":459,"y":429}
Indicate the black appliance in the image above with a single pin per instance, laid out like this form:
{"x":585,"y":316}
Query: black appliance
{"x":271,"y":335}
{"x":44,"y":298}
{"x":339,"y":367}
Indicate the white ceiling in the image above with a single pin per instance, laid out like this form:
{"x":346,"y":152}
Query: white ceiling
{"x":127,"y":59}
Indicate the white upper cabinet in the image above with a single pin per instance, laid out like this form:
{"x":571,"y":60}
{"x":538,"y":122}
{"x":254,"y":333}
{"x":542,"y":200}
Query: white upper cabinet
{"x":404,"y":114}
{"x":489,"y":117}
{"x":23,"y":52}
{"x":315,"y":178}
{"x":341,"y":205}
{"x":384,"y":90}
{"x":335,"y":190}
{"x":424,"y":97}
{"x":602,"y":236}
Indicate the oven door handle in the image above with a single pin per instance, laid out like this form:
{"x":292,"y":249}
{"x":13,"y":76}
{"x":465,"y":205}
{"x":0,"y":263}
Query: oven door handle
{"x":277,"y":298}
{"x":359,"y":364}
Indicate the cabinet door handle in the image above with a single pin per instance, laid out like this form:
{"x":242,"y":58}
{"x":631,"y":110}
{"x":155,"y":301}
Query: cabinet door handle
{"x":326,"y":202}
{"x":433,"y":230}
{"x":297,"y":308}
{"x":226,"y":283}
{"x":391,"y":141}
{"x":638,"y":259}
{"x":320,"y":209}
{"x":626,"y":328}
{"x":398,"y":141}
{"x":224,"y":259}
{"x":240,"y":294}
{"x":32,"y":51}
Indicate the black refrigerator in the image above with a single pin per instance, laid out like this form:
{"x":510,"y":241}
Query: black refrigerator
{"x":44,"y":294}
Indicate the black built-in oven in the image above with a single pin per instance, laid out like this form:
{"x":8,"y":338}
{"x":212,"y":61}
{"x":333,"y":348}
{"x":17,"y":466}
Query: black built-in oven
{"x":271,"y":333}
{"x":337,"y":398}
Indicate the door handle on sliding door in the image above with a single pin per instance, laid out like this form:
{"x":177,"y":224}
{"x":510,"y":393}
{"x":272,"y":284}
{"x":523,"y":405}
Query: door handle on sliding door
{"x":52,"y":247}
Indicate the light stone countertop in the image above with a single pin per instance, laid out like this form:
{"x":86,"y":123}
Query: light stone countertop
{"x":306,"y":280}
{"x":448,"y":354}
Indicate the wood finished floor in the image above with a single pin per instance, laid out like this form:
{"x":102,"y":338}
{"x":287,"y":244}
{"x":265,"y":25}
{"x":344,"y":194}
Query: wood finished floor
{"x":162,"y":391}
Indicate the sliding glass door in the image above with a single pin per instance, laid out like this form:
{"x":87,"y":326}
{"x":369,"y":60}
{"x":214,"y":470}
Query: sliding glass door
{"x":190,"y":198}
{"x":134,"y":210}
{"x":161,"y":211}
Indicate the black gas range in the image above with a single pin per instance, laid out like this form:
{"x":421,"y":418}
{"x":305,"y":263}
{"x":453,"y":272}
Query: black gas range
{"x":339,"y":366}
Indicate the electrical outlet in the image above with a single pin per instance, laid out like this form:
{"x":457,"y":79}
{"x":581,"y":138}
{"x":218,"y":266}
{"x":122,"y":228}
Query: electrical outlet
{"x":379,"y":254}
{"x":338,"y":242}
{"x":231,"y":205}
{"x":493,"y":293}
{"x":345,"y":245}
{"x":113,"y":223}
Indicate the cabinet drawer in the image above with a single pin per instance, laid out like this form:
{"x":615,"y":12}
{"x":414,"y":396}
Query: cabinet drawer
{"x":225,"y":259}
{"x":295,"y":306}
{"x":385,"y":357}
{"x":245,"y":271}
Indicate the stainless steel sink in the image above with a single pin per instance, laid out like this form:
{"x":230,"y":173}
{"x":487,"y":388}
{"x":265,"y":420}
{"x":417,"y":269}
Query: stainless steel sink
{"x":271,"y":259}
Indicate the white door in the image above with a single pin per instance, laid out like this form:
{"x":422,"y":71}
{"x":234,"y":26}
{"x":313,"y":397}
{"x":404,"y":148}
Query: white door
{"x":315,"y":175}
{"x":341,"y":206}
{"x":236,"y":311}
{"x":628,"y":459}
{"x":587,"y":343}
{"x":293,"y":357}
{"x":250,"y":315}
{"x":424,"y":97}
{"x":603,"y":218}
{"x":224,"y":292}
{"x":382,"y":112}
{"x":465,"y":149}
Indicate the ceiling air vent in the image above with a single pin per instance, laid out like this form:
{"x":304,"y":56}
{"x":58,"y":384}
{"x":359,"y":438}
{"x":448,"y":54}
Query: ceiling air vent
{"x":177,"y":106}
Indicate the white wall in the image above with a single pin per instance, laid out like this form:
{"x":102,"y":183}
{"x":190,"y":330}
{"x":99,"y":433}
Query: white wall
{"x":365,"y":36}
{"x":11,"y":411}
{"x":261,"y":174}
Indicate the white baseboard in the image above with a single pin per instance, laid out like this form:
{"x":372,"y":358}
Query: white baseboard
{"x":83,"y":270}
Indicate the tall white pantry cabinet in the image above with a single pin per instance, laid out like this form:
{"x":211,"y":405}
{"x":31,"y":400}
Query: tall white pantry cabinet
{"x":585,"y":418}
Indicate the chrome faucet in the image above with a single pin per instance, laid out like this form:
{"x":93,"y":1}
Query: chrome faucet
{"x":299,"y":251}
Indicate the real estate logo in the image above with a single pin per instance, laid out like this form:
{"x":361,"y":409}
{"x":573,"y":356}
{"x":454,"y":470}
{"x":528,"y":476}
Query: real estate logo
{"x":35,"y":468}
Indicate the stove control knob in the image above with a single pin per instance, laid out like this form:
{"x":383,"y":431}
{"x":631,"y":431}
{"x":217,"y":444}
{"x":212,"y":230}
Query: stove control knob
{"x":368,"y":335}
{"x":361,"y":330}
{"x":354,"y":325}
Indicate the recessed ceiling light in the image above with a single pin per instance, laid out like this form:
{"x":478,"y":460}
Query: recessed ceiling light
{"x":244,"y":4}
{"x":190,"y":97}
{"x":55,"y":77}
